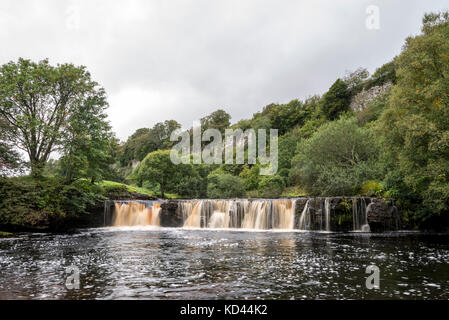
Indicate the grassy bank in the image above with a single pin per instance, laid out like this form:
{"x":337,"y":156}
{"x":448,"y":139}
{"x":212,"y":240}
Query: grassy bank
{"x":50,"y":204}
{"x":5,"y":234}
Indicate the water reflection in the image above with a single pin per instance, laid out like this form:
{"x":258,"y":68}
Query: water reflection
{"x":153,"y":263}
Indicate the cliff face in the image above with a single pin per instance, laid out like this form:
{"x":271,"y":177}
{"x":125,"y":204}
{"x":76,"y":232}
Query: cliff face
{"x":362,"y":99}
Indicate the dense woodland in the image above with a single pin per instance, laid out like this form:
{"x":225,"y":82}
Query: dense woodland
{"x":384,"y":134}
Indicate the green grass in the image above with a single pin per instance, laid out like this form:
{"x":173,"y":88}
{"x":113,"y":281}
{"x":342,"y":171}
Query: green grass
{"x":111,"y":184}
{"x":293,"y":192}
{"x":5,"y":234}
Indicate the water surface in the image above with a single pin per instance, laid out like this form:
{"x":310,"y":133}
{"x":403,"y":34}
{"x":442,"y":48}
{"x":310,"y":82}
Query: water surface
{"x":145,"y":263}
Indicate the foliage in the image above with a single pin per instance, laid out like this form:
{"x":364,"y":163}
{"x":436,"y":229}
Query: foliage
{"x":285,"y":117}
{"x":46,"y":202}
{"x":89,"y":146}
{"x":287,"y":147}
{"x":145,"y":140}
{"x":219,"y":120}
{"x":158,"y":167}
{"x":271,"y":186}
{"x":415,"y":127}
{"x":225,"y":186}
{"x":356,"y":80}
{"x":37,"y":101}
{"x":372,"y":188}
{"x":251,"y":177}
{"x":336,"y":159}
{"x":336,"y":100}
{"x":384,"y":74}
{"x":10,"y":161}
{"x":373,"y":110}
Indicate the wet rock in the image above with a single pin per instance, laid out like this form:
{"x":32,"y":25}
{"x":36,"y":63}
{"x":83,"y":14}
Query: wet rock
{"x":383,"y":216}
{"x":170,"y":214}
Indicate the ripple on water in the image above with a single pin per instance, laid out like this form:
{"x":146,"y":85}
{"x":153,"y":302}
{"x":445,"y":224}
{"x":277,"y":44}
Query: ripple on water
{"x":161,"y":263}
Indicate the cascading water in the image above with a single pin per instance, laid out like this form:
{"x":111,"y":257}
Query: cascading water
{"x":308,"y":214}
{"x":135,"y":213}
{"x":304,"y":220}
{"x":360,"y":219}
{"x":239,"y":213}
{"x":327,"y":212}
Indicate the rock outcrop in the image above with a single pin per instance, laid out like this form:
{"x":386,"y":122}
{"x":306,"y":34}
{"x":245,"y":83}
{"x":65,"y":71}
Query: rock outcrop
{"x":383,"y":216}
{"x":171,"y":215}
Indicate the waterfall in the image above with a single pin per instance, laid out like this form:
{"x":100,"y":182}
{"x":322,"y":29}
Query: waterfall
{"x":359,"y":217}
{"x":318,"y":214}
{"x":304,"y":220}
{"x":327,"y":212}
{"x":239,"y":213}
{"x":133,"y":213}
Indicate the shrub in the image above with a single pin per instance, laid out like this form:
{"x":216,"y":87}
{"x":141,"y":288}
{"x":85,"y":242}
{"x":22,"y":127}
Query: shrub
{"x":225,"y":186}
{"x":337,"y":159}
{"x":271,"y":186}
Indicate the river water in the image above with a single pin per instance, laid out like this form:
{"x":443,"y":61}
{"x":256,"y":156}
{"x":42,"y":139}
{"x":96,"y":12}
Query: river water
{"x":164,"y":263}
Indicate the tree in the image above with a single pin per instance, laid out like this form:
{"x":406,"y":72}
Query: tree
{"x":9,"y":158}
{"x":88,"y":143}
{"x":271,"y":186}
{"x":145,"y":140}
{"x":336,"y":160}
{"x":356,"y":80}
{"x":36,"y":101}
{"x":158,"y":167}
{"x":336,"y":100}
{"x":225,"y":186}
{"x":415,"y":126}
{"x":219,"y":120}
{"x":384,"y":74}
{"x":287,"y":149}
{"x":285,"y":117}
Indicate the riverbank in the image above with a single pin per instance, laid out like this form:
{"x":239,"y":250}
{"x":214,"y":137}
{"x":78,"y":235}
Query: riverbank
{"x":49,"y":204}
{"x":6,"y":234}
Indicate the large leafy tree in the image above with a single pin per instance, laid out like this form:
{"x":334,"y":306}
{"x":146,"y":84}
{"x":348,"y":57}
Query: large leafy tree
{"x":285,"y":117}
{"x":336,"y":160}
{"x":88,"y":144}
{"x":157,"y":167}
{"x":37,"y":101}
{"x":415,"y":126}
{"x":219,"y":120}
{"x":336,"y":100}
{"x":145,"y":140}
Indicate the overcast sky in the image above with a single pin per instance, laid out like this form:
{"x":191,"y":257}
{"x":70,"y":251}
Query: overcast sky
{"x":181,"y":60}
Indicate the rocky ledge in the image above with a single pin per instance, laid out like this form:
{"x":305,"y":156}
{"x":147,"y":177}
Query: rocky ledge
{"x":346,"y":214}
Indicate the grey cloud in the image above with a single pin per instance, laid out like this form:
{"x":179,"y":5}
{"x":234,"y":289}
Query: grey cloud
{"x":182,"y":59}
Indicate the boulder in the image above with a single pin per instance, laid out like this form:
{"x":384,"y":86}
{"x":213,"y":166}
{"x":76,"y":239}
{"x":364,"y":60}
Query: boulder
{"x":383,"y":215}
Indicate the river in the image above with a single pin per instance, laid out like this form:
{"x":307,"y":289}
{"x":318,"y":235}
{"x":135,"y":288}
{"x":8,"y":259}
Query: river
{"x":179,"y":263}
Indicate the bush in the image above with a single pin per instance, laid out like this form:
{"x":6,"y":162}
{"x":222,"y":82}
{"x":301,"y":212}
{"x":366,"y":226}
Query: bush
{"x":271,"y":186}
{"x":225,"y":186}
{"x":336,"y":160}
{"x":46,"y":203}
{"x":250,"y":177}
{"x":372,"y":188}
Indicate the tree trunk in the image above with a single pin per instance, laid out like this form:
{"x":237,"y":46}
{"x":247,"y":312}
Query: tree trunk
{"x":36,"y":168}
